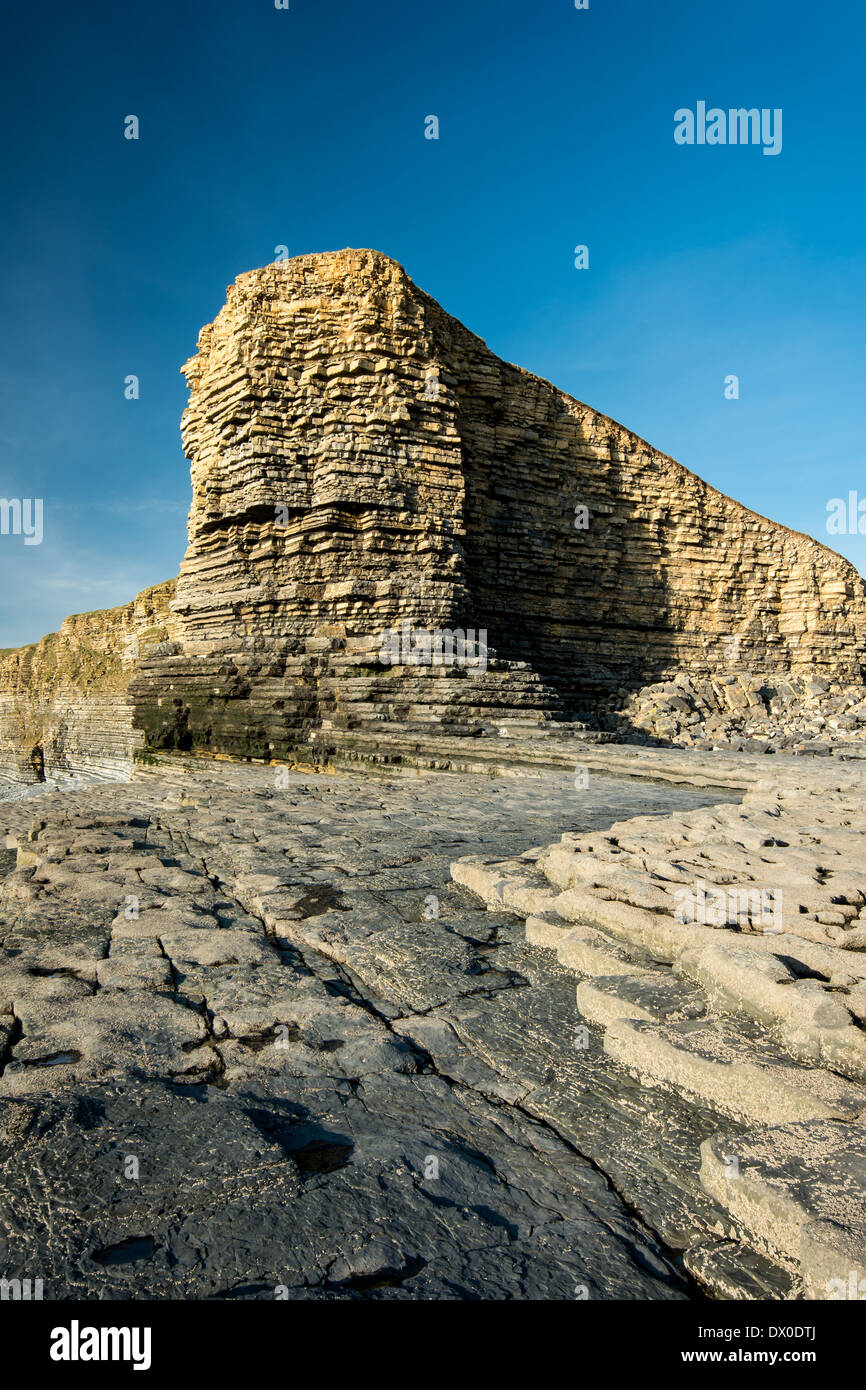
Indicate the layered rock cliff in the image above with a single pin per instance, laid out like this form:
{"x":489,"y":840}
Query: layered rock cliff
{"x":361,"y":461}
{"x":64,"y":707}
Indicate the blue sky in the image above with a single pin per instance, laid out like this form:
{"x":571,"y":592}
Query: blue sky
{"x":305,"y":127}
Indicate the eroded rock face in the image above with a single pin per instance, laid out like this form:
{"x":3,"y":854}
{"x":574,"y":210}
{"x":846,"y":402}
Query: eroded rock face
{"x":361,"y":465}
{"x":341,"y":1075}
{"x":253,"y":1038}
{"x":63,"y":701}
{"x":360,"y":460}
{"x":720,"y":953}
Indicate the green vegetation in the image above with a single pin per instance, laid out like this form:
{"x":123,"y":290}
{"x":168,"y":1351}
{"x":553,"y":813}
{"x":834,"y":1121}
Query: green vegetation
{"x":145,"y":756}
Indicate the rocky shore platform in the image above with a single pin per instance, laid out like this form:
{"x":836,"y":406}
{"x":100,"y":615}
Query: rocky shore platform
{"x":440,"y":1025}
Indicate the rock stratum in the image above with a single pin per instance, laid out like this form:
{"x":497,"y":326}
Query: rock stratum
{"x":64,"y":702}
{"x":360,"y":461}
{"x":345,"y":1037}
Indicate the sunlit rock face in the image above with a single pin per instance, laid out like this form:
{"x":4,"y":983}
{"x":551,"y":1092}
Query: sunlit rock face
{"x":327,"y":487}
{"x":361,"y":460}
{"x":64,"y":701}
{"x":363,"y":466}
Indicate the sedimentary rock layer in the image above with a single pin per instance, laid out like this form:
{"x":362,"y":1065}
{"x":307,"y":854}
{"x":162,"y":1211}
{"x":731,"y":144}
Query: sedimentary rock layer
{"x":401,"y":1094}
{"x":360,"y":462}
{"x":760,"y":910}
{"x":63,"y":701}
{"x":330,"y":1064}
{"x":360,"y":459}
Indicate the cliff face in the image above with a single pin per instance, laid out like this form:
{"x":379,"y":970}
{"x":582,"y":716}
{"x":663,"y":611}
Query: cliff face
{"x":64,"y":707}
{"x":361,"y":461}
{"x":307,"y":394}
{"x":423,"y":478}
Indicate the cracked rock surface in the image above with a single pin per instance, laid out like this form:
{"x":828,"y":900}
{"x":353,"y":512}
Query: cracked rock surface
{"x":256,"y":1043}
{"x":720,"y":952}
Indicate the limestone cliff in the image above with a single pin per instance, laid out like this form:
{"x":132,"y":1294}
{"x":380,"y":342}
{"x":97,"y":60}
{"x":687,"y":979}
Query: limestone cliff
{"x":360,"y":460}
{"x":63,"y":701}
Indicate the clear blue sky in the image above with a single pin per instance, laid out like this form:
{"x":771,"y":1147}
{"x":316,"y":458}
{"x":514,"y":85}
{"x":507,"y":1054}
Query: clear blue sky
{"x":305,"y":127}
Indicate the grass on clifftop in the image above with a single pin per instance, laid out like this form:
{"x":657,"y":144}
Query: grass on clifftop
{"x":86,"y":656}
